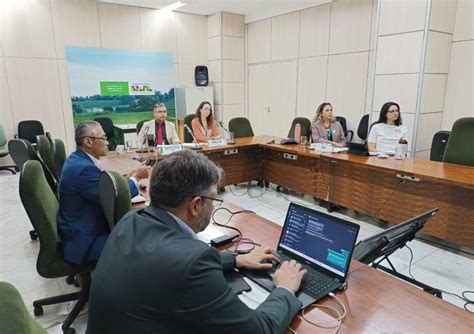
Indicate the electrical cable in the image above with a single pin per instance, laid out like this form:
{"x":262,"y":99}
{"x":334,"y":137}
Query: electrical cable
{"x":339,"y":318}
{"x":463,"y":297}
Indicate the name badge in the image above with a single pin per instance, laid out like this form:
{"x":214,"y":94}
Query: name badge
{"x":216,"y":143}
{"x":168,"y":149}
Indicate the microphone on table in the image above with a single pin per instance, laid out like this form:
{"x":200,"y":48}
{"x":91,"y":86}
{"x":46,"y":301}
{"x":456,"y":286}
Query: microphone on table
{"x":196,"y":146}
{"x":231,"y":140}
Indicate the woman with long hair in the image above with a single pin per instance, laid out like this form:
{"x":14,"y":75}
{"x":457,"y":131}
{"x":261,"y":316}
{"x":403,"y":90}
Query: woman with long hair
{"x":388,"y":131}
{"x":325,"y":128}
{"x":204,"y":125}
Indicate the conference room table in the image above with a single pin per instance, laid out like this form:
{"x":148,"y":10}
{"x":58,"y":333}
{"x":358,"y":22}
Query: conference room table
{"x":375,"y":301}
{"x":388,"y":189}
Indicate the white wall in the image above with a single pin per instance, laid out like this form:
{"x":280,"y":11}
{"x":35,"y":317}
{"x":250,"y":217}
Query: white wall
{"x":324,"y":53}
{"x":33,"y":72}
{"x":459,"y":101}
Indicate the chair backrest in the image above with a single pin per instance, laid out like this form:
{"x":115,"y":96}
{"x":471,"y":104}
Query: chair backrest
{"x":187,"y":120}
{"x":3,"y":137}
{"x":30,"y":129}
{"x":140,"y":125}
{"x":459,"y":148}
{"x":44,"y":149}
{"x":305,"y":127}
{"x":438,"y":145}
{"x":343,"y":122}
{"x":14,"y":316}
{"x":107,"y":125}
{"x":22,"y":151}
{"x":363,"y":128}
{"x":114,"y":196}
{"x":241,"y":127}
{"x":41,"y":206}
{"x":58,"y":154}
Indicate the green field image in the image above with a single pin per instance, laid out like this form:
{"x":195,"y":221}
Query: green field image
{"x":121,"y":110}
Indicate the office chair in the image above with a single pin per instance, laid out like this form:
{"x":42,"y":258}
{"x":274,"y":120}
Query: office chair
{"x":43,"y":146}
{"x":41,"y":206}
{"x":438,"y":145}
{"x":241,"y":127}
{"x":187,"y":120}
{"x":58,"y":153}
{"x":108,"y":127}
{"x":459,"y":147}
{"x":29,"y":130}
{"x":305,"y":127}
{"x":140,"y":125}
{"x":363,"y":128}
{"x":349,"y":134}
{"x":114,"y":196}
{"x":14,"y":317}
{"x":4,"y":151}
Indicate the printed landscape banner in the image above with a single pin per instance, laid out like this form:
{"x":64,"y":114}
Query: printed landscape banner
{"x":119,"y":84}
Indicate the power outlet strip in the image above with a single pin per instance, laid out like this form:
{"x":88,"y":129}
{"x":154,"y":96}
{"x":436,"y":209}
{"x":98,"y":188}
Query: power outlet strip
{"x":290,"y":156}
{"x":230,"y":152}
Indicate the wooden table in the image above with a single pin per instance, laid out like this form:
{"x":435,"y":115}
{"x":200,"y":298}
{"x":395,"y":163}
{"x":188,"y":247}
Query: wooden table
{"x":381,"y":188}
{"x":375,"y":301}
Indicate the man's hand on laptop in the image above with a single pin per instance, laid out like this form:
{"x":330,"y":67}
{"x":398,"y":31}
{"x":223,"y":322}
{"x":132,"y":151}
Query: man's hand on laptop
{"x":260,"y":258}
{"x":289,"y":276}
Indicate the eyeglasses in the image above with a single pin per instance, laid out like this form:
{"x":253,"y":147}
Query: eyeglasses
{"x":217,"y":201}
{"x":104,"y":138}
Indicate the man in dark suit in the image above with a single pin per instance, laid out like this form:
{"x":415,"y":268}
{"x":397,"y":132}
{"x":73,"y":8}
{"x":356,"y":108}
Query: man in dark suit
{"x":82,"y":226}
{"x":155,"y":276}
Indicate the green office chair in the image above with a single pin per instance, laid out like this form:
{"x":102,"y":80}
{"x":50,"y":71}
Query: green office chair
{"x":4,"y":151}
{"x":114,"y":197}
{"x":44,"y":150}
{"x":187,"y":120}
{"x":41,"y":206}
{"x":305,"y":127}
{"x":241,"y":127}
{"x":58,"y":150}
{"x":459,"y":147}
{"x":14,"y":317}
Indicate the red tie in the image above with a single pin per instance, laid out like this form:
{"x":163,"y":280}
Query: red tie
{"x":159,"y":133}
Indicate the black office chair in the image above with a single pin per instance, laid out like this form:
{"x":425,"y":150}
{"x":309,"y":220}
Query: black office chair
{"x":41,"y":206}
{"x":108,"y":127}
{"x":29,"y":129}
{"x":4,"y":151}
{"x":349,"y":134}
{"x":305,"y":127}
{"x":241,"y":127}
{"x":363,"y":128}
{"x":114,"y":196}
{"x":438,"y":145}
{"x":187,"y":120}
{"x":140,"y":125}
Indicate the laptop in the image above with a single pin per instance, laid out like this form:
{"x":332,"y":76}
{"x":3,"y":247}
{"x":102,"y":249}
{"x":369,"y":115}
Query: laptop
{"x":357,"y":149}
{"x":322,"y":243}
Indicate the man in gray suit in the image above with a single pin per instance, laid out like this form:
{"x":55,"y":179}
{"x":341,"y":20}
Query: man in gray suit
{"x":155,"y":276}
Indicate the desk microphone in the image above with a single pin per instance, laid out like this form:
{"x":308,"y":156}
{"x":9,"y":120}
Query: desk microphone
{"x":231,"y":141}
{"x":196,"y":145}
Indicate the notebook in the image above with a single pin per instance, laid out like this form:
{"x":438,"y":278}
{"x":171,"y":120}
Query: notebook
{"x":322,"y":243}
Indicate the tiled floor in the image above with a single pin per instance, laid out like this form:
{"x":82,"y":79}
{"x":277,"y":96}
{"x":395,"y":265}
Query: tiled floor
{"x":431,"y":265}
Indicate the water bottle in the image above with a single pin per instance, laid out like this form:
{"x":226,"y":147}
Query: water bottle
{"x":401,"y":149}
{"x":135,"y":161}
{"x":297,"y":132}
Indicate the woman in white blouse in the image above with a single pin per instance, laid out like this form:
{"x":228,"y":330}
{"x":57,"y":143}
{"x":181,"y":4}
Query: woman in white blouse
{"x":385,"y":135}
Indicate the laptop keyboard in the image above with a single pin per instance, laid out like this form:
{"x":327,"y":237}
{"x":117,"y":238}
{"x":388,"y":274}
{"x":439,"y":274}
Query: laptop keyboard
{"x":314,"y":284}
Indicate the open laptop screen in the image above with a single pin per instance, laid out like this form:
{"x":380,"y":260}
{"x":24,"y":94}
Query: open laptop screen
{"x":321,"y":239}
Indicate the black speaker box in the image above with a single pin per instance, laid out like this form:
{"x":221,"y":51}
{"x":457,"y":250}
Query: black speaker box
{"x":438,"y":145}
{"x":201,"y":75}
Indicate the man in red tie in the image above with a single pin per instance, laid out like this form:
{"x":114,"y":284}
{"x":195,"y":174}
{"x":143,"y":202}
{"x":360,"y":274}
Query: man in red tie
{"x":164,"y":131}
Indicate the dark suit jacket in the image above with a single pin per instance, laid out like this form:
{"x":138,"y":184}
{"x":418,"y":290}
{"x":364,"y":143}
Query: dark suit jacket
{"x":80,"y":218}
{"x":153,"y":278}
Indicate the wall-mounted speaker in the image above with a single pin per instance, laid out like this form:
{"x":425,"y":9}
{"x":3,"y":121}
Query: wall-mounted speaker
{"x":201,"y":75}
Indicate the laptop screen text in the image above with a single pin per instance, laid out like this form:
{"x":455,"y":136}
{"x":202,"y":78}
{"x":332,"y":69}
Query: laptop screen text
{"x":318,"y":238}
